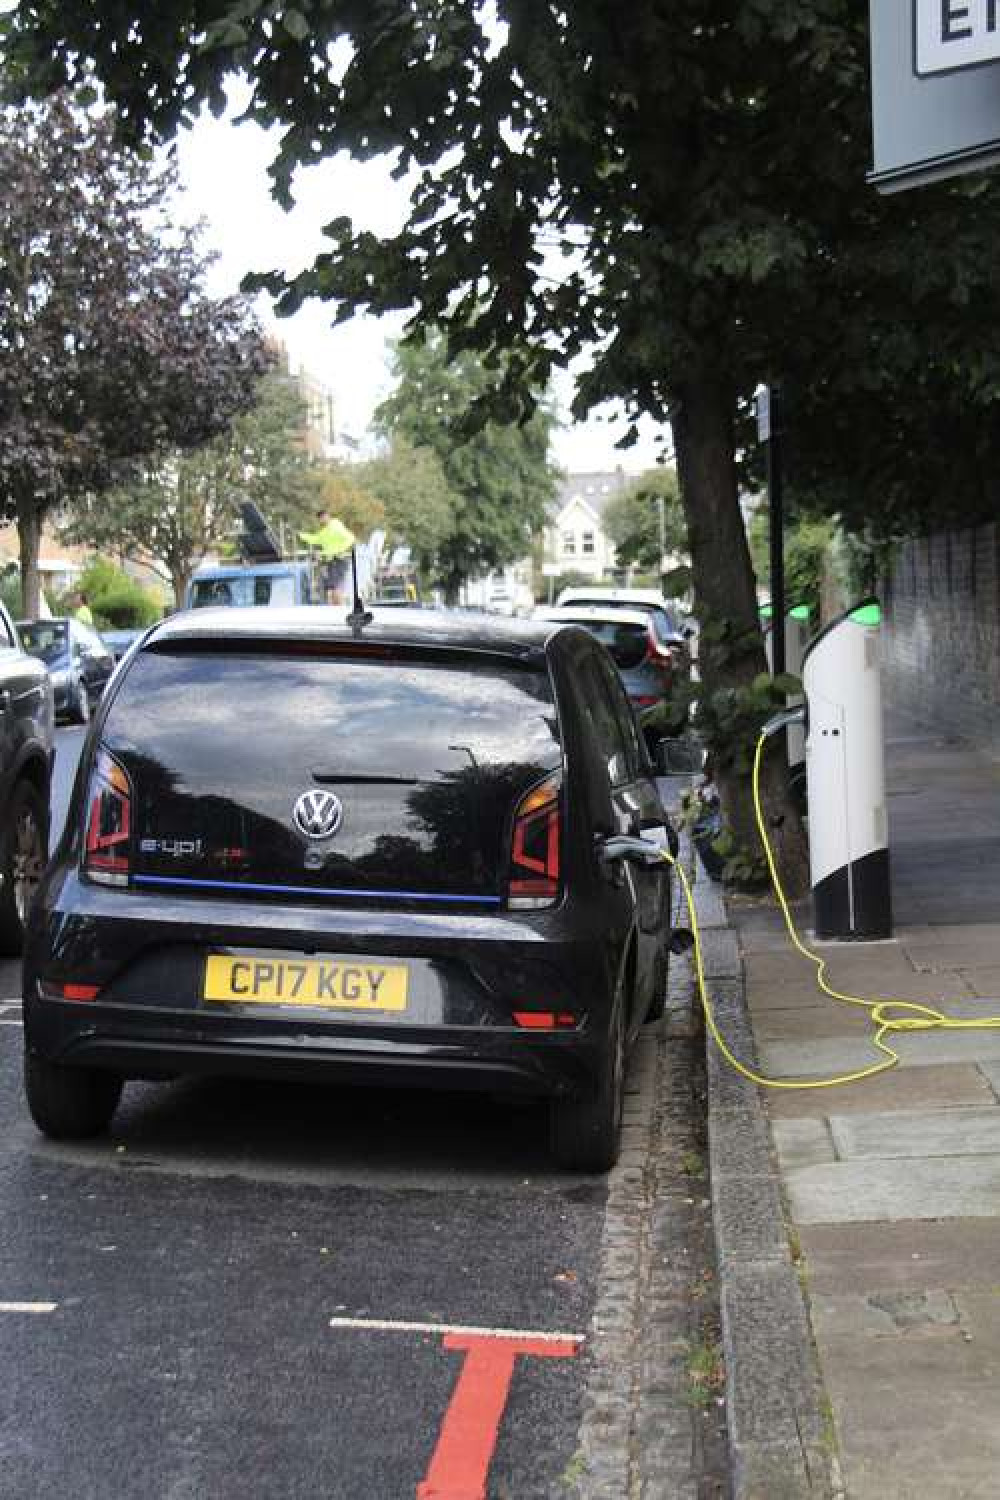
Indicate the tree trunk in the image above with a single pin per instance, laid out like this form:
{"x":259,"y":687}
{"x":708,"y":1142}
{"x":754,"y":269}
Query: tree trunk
{"x":731,"y":651}
{"x":180,"y":577}
{"x":29,"y":535}
{"x":451,"y":582}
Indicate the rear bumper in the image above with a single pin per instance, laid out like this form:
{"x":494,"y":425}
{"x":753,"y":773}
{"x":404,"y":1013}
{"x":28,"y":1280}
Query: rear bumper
{"x":144,"y":1043}
{"x":468,"y":975}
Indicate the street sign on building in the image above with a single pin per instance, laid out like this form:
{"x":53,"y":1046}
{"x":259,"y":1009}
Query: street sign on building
{"x":935,"y":89}
{"x":950,"y":34}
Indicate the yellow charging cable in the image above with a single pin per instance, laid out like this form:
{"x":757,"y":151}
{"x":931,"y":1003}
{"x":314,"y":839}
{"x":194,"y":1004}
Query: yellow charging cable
{"x":887,"y":1015}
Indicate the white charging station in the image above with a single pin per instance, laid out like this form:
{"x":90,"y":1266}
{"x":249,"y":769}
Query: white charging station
{"x":845,"y":773}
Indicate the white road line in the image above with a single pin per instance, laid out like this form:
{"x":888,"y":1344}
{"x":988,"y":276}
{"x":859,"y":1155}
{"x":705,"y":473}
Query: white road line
{"x":5,"y":1022}
{"x":392,"y":1325}
{"x":28,"y":1307}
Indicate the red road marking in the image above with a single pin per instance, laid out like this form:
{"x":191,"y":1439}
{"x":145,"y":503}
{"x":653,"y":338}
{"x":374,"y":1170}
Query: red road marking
{"x":468,"y":1436}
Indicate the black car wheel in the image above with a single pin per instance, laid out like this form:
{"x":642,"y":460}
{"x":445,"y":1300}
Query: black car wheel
{"x":586,"y":1128}
{"x":23,"y":853}
{"x":661,"y":974}
{"x":80,"y":703}
{"x":70,"y":1104}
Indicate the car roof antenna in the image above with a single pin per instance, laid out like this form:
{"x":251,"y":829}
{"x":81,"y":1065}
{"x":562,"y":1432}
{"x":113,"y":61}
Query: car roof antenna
{"x":359,"y":616}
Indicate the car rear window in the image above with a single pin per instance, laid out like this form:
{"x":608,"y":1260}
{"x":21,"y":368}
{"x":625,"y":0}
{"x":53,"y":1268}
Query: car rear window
{"x":48,"y":639}
{"x":626,"y":641}
{"x":244,"y":591}
{"x":427,"y":756}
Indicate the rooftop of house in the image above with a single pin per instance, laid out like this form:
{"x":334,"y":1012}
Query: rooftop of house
{"x":595,"y":488}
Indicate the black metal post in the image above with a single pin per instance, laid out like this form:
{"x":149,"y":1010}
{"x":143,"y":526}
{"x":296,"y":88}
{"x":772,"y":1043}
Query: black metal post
{"x":777,"y":543}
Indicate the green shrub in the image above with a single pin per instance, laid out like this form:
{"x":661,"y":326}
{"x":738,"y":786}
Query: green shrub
{"x":116,"y":600}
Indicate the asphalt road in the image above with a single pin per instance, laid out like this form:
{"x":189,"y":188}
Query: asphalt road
{"x":166,"y":1294}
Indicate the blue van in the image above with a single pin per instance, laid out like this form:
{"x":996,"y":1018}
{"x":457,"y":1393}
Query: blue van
{"x":244,"y":585}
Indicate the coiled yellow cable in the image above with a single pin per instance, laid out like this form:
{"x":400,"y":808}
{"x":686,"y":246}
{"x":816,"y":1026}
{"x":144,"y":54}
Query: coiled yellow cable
{"x":887,"y":1015}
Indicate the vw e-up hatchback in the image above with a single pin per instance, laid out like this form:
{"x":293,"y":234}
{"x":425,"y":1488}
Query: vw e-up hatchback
{"x":311,"y":851}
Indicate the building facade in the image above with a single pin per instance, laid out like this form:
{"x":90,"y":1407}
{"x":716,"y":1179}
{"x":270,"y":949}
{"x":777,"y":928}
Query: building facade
{"x":575,"y":538}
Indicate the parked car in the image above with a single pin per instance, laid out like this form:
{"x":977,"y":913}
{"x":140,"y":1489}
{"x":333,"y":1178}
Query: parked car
{"x":26,"y":737}
{"x":647,"y":670}
{"x":672,"y":631}
{"x":119,"y":642}
{"x":77,"y":661}
{"x":302,"y":852}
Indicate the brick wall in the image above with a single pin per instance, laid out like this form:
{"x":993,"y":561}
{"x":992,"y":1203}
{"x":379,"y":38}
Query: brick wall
{"x":942,"y":632}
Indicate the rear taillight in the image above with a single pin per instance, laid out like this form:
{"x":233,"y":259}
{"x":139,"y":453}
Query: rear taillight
{"x":657,"y":656}
{"x":534,"y":847}
{"x":50,"y":989}
{"x":107,"y":848}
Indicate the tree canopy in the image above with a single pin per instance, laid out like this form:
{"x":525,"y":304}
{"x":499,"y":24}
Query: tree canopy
{"x":701,"y":172}
{"x":498,"y":475}
{"x":177,"y":506}
{"x":411,"y":485}
{"x":109,"y":346}
{"x":632,"y":520}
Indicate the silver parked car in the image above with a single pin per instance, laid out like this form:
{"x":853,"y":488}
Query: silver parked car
{"x":646,"y":665}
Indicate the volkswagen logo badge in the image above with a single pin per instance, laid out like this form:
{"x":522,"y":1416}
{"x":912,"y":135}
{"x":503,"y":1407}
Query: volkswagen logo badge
{"x":318,"y":814}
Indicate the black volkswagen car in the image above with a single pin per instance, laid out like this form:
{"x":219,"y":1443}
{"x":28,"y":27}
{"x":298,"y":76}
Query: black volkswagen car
{"x":400,"y":852}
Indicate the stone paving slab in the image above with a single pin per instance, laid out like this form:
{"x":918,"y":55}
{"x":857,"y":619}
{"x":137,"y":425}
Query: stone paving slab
{"x":919,"y":1313}
{"x":936,"y":1086}
{"x":991,"y":1073}
{"x":980,"y":1315}
{"x":854,"y":1191}
{"x":803,"y":1143}
{"x":846,"y":964}
{"x":965,"y":953}
{"x":946,"y":932}
{"x":984,"y":982}
{"x":944,"y":987}
{"x":784,"y":995}
{"x":834,"y":1019}
{"x":925,"y":1134}
{"x":910,"y":1255}
{"x":939,"y":989}
{"x":827,"y":1056}
{"x":916,"y":1418}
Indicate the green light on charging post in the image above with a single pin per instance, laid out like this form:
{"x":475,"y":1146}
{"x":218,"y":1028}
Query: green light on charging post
{"x":765,"y":611}
{"x":800,"y":612}
{"x":868,"y":614}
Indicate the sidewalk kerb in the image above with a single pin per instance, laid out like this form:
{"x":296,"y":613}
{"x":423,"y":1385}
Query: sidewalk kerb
{"x":780,"y":1442}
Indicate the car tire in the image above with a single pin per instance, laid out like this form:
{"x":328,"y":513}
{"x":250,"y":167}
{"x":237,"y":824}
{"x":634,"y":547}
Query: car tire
{"x":70,"y":1104}
{"x":80,"y":707}
{"x":585,"y":1129}
{"x":24,"y":841}
{"x":661,"y":974}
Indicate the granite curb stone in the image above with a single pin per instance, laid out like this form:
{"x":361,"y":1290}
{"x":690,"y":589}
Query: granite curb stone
{"x":780,"y":1446}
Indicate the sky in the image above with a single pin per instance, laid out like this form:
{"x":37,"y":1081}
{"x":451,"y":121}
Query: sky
{"x":223,"y":170}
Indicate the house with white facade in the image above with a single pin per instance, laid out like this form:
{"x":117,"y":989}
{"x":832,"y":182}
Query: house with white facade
{"x":575,"y":539}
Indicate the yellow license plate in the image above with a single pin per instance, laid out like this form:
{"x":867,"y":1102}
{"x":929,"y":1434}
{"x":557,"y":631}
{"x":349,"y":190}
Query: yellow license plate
{"x":327,"y":983}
